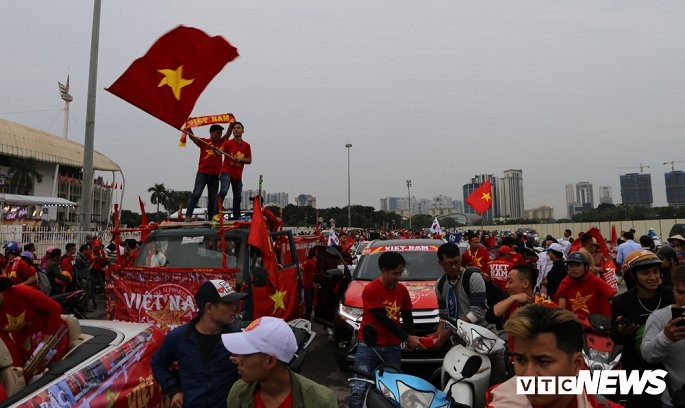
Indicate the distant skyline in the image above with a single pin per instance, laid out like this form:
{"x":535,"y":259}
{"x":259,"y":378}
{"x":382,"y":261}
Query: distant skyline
{"x":565,"y":91}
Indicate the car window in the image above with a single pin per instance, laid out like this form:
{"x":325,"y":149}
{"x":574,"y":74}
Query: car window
{"x":421,"y":265}
{"x":189,"y":251}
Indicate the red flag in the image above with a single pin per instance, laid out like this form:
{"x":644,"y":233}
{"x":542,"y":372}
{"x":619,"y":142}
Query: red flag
{"x":279,"y":297}
{"x":167,"y":81}
{"x":143,"y":217}
{"x":614,"y":235}
{"x":481,"y":198}
{"x":597,"y":235}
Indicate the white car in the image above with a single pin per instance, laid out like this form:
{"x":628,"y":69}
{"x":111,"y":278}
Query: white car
{"x":108,"y":364}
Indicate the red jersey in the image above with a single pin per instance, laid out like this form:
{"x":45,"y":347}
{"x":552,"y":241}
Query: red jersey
{"x":478,"y":258}
{"x":585,"y":296}
{"x":308,"y":270}
{"x":517,"y":259}
{"x":210,"y":161}
{"x":66,"y":263}
{"x":18,"y":270}
{"x":375,"y":295}
{"x":259,"y":403}
{"x":498,"y":270}
{"x":239,"y":150}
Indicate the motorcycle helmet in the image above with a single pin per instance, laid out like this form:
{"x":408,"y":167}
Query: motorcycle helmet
{"x":641,"y":258}
{"x":577,"y":257}
{"x":27,"y":254}
{"x":12,"y":247}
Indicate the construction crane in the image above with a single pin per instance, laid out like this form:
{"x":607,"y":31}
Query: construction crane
{"x":672,"y":163}
{"x":642,"y":168}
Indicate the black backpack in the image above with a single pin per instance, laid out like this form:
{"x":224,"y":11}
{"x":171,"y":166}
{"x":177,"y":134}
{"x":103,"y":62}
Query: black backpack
{"x":493,"y":294}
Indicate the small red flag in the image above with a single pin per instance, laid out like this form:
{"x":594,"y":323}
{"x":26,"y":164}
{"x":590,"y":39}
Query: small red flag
{"x":259,"y":238}
{"x":614,"y":235}
{"x":167,"y":81}
{"x":143,"y":216}
{"x":481,"y":198}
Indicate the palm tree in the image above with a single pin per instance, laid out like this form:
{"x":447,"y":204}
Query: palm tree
{"x":23,"y":175}
{"x":160,"y":195}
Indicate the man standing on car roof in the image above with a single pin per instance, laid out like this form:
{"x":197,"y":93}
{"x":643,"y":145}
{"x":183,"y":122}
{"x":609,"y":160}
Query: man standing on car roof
{"x":205,"y":372}
{"x":384,"y":300}
{"x":238,"y":155}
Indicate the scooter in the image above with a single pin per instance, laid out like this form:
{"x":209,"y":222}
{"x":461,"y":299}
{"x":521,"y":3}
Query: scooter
{"x":479,"y":343}
{"x":599,"y":351}
{"x":72,"y":303}
{"x":304,"y":335}
{"x":390,"y":388}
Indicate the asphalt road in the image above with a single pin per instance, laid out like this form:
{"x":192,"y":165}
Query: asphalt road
{"x":320,"y":366}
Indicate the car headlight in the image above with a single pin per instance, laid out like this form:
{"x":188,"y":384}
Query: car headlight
{"x":351,"y":313}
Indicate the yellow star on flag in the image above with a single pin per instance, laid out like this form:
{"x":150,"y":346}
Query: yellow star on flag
{"x":174,"y":80}
{"x":278,"y":297}
{"x":15,"y":323}
{"x":486,"y":197}
{"x":580,"y":303}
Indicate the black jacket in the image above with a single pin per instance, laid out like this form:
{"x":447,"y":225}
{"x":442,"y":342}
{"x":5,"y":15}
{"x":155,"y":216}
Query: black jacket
{"x":555,"y":276}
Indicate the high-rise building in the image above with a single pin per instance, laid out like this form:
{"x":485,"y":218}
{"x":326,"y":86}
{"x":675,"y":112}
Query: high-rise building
{"x":584,"y":195}
{"x":246,"y":203}
{"x":570,"y":199}
{"x":510,"y":194}
{"x":636,"y":189}
{"x":276,"y":199}
{"x":474,"y":184}
{"x":305,"y":200}
{"x":605,"y":195}
{"x":675,"y":188}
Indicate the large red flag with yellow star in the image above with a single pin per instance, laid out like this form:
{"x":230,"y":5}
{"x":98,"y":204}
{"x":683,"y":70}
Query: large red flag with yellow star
{"x":167,"y":80}
{"x":481,"y":198}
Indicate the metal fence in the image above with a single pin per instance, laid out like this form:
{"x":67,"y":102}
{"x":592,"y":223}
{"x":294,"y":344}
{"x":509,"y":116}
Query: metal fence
{"x":59,"y":237}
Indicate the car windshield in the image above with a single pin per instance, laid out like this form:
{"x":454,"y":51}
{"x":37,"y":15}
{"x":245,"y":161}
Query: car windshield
{"x":188,"y":251}
{"x":421,"y":266}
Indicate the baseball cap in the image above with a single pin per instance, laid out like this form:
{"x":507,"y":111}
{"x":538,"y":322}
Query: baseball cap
{"x":268,"y":335}
{"x":555,"y":247}
{"x":504,"y":249}
{"x":216,"y":290}
{"x":216,"y":127}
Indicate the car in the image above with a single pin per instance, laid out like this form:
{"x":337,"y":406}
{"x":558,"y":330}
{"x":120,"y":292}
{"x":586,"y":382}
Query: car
{"x":108,"y":364}
{"x":420,"y":275}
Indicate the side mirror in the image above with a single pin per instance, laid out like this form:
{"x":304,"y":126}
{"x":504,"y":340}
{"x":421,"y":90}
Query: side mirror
{"x":370,"y":335}
{"x":259,"y":277}
{"x":333,"y":274}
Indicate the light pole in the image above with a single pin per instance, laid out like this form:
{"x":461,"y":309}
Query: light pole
{"x":409,"y":202}
{"x":349,"y":209}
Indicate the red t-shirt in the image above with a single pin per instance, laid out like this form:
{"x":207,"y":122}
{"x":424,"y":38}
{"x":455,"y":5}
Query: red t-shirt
{"x":18,"y":270}
{"x":517,"y":259}
{"x":239,"y":151}
{"x":478,"y":258}
{"x":259,"y":403}
{"x":66,"y":263}
{"x":585,"y":296}
{"x":374,"y":296}
{"x":498,"y":270}
{"x":210,"y":161}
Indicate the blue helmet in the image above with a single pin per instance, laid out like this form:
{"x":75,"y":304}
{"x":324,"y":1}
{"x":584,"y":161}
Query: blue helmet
{"x":12,"y":247}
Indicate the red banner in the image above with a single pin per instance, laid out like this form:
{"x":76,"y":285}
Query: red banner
{"x":120,"y":378}
{"x":162,"y":297}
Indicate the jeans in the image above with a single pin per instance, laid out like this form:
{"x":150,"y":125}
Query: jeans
{"x":97,"y":278}
{"x":367,"y":360}
{"x":237,"y":187}
{"x":212,"y":183}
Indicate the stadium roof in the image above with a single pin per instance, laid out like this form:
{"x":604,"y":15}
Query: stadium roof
{"x":22,"y":141}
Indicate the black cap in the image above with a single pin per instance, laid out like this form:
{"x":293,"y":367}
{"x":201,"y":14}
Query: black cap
{"x":215,"y":127}
{"x":216,"y":290}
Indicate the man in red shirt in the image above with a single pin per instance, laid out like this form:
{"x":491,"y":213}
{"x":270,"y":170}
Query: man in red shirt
{"x":384,"y":300}
{"x":208,"y":170}
{"x":476,"y":254}
{"x":238,"y":155}
{"x":66,"y":263}
{"x":521,"y":287}
{"x":497,"y":271}
{"x":583,"y":292}
{"x":547,"y":342}
{"x":17,"y":269}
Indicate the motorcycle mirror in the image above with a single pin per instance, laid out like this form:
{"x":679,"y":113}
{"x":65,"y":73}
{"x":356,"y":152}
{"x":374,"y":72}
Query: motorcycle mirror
{"x":471,"y":366}
{"x":334,"y":273}
{"x":370,"y":336}
{"x":259,"y":277}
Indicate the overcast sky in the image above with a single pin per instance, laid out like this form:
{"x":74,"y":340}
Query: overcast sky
{"x":433,"y":91}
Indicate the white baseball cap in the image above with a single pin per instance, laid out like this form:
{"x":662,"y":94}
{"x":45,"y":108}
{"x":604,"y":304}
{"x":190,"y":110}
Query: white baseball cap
{"x":268,"y":335}
{"x":555,"y":247}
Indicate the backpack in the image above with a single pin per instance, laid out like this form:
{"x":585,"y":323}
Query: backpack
{"x":493,"y":294}
{"x":43,"y":283}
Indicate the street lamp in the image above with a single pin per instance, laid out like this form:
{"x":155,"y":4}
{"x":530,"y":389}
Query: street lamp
{"x":409,"y":201}
{"x":349,"y":210}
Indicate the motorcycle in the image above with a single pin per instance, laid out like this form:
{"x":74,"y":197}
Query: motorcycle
{"x":304,"y":335}
{"x":72,"y":303}
{"x":479,"y":343}
{"x":599,"y":351}
{"x":389,"y":387}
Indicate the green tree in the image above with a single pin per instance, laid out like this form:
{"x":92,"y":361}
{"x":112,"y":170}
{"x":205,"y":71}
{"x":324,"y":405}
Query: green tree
{"x":159,"y":195}
{"x":23,"y":175}
{"x":176,"y":200}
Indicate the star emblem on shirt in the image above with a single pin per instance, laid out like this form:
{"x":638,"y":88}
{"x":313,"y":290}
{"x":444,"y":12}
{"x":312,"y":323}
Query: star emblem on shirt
{"x":173,"y":78}
{"x":580,"y":303}
{"x":15,"y":323}
{"x":391,"y":309}
{"x":210,"y":153}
